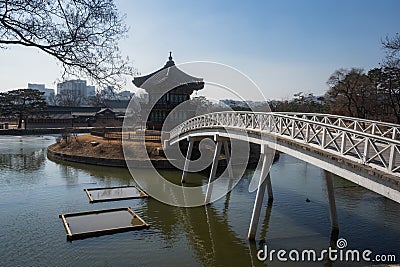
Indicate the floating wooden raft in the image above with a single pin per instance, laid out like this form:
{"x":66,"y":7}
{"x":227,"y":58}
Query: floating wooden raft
{"x":114,"y":193}
{"x":101,"y":222}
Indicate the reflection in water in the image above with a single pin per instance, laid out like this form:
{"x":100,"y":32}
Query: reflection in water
{"x":19,"y":158}
{"x":265,"y":224}
{"x":114,"y":193}
{"x":332,"y":243}
{"x":23,"y":161}
{"x":347,"y":189}
{"x":70,"y":174}
{"x":210,"y":235}
{"x":101,"y":221}
{"x":215,"y":235}
{"x":107,"y":176}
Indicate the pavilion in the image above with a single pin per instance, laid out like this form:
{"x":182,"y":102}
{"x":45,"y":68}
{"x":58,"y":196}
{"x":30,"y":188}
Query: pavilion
{"x":167,"y":88}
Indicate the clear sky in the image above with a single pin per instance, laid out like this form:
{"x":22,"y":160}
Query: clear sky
{"x":284,"y":46}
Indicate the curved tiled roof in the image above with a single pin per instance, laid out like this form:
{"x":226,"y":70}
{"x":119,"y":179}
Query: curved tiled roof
{"x":168,"y":76}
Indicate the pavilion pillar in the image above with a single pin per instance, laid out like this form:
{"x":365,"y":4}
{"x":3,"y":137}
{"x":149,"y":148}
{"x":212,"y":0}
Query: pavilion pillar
{"x":187,"y":160}
{"x":213,"y":172}
{"x":255,"y":217}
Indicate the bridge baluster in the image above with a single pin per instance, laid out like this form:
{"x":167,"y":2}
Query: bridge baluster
{"x":366,"y":150}
{"x":343,"y":143}
{"x":392,"y":158}
{"x":307,"y":132}
{"x":323,"y":141}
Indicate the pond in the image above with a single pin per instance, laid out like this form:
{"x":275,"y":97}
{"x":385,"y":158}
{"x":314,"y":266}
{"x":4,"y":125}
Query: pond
{"x":35,"y":190}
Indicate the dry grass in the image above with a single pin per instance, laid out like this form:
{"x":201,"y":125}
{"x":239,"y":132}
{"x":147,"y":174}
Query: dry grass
{"x":111,"y":149}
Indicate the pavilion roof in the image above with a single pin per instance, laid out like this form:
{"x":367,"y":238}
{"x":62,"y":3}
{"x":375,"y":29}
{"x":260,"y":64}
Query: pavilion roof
{"x":169,"y":76}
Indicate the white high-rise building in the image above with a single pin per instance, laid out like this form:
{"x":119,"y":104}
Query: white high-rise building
{"x":77,"y":88}
{"x":48,"y":92}
{"x":90,"y":90}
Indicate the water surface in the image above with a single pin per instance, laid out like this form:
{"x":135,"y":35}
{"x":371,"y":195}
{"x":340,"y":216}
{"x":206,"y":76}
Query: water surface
{"x":35,"y":190}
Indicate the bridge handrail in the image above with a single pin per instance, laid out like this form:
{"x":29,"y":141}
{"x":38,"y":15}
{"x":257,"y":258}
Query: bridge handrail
{"x":380,"y":142}
{"x":352,"y":131}
{"x":288,"y":115}
{"x":375,"y":127}
{"x":380,"y":123}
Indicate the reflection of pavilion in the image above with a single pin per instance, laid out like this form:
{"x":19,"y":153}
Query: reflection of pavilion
{"x":167,"y":88}
{"x":209,"y":234}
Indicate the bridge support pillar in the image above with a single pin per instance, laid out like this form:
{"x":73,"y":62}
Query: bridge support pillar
{"x":187,"y":160}
{"x":332,"y":202}
{"x":228,"y":164}
{"x":260,"y":196}
{"x":213,"y":172}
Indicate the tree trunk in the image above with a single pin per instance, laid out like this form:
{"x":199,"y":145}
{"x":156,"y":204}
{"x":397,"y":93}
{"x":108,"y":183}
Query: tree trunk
{"x":19,"y":121}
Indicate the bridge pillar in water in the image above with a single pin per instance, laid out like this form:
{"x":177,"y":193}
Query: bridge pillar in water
{"x":213,"y":171}
{"x":263,"y":183}
{"x":187,"y":160}
{"x":331,"y":201}
{"x":228,"y":165}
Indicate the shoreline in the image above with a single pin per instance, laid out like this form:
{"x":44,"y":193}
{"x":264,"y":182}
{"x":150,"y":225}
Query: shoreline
{"x":43,"y":131}
{"x":107,"y":162}
{"x":109,"y":153}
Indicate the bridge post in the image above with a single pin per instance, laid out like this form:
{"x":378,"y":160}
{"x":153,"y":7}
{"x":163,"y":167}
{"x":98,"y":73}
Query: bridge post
{"x":343,"y":143}
{"x":187,"y":160}
{"x":228,"y":163}
{"x":392,"y":158}
{"x":213,"y":171}
{"x":332,"y":202}
{"x":260,"y":196}
{"x":366,"y":150}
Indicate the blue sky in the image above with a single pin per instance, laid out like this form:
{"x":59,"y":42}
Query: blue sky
{"x":284,"y":46}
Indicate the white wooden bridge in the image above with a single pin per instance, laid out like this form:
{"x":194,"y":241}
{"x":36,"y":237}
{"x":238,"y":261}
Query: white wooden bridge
{"x":364,"y":152}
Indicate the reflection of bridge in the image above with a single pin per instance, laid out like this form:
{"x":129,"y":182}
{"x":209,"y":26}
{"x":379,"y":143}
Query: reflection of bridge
{"x":362,"y":151}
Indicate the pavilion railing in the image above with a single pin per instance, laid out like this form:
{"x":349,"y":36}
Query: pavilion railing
{"x":372,"y":143}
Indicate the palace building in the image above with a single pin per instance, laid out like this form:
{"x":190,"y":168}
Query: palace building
{"x":167,"y":88}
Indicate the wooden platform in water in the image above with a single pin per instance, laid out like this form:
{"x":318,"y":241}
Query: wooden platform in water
{"x":114,"y":193}
{"x":82,"y":225}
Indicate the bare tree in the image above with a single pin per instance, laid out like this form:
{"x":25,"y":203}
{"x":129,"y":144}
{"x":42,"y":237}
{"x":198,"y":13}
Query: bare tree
{"x":387,"y":84}
{"x":69,"y":99}
{"x":52,"y":100}
{"x":102,"y":95}
{"x":82,"y":35}
{"x":392,"y":48}
{"x":351,"y":89}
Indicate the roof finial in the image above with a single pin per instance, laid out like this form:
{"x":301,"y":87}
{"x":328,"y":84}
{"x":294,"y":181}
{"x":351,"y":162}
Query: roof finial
{"x":170,"y":55}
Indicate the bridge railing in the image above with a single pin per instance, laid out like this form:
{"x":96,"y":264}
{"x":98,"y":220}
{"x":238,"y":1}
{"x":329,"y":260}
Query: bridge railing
{"x":367,"y":142}
{"x":385,"y":129}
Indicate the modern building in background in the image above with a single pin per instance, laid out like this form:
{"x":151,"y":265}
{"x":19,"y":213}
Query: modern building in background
{"x":48,"y":92}
{"x":125,"y":95}
{"x":110,"y":93}
{"x":90,"y":90}
{"x":77,"y":88}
